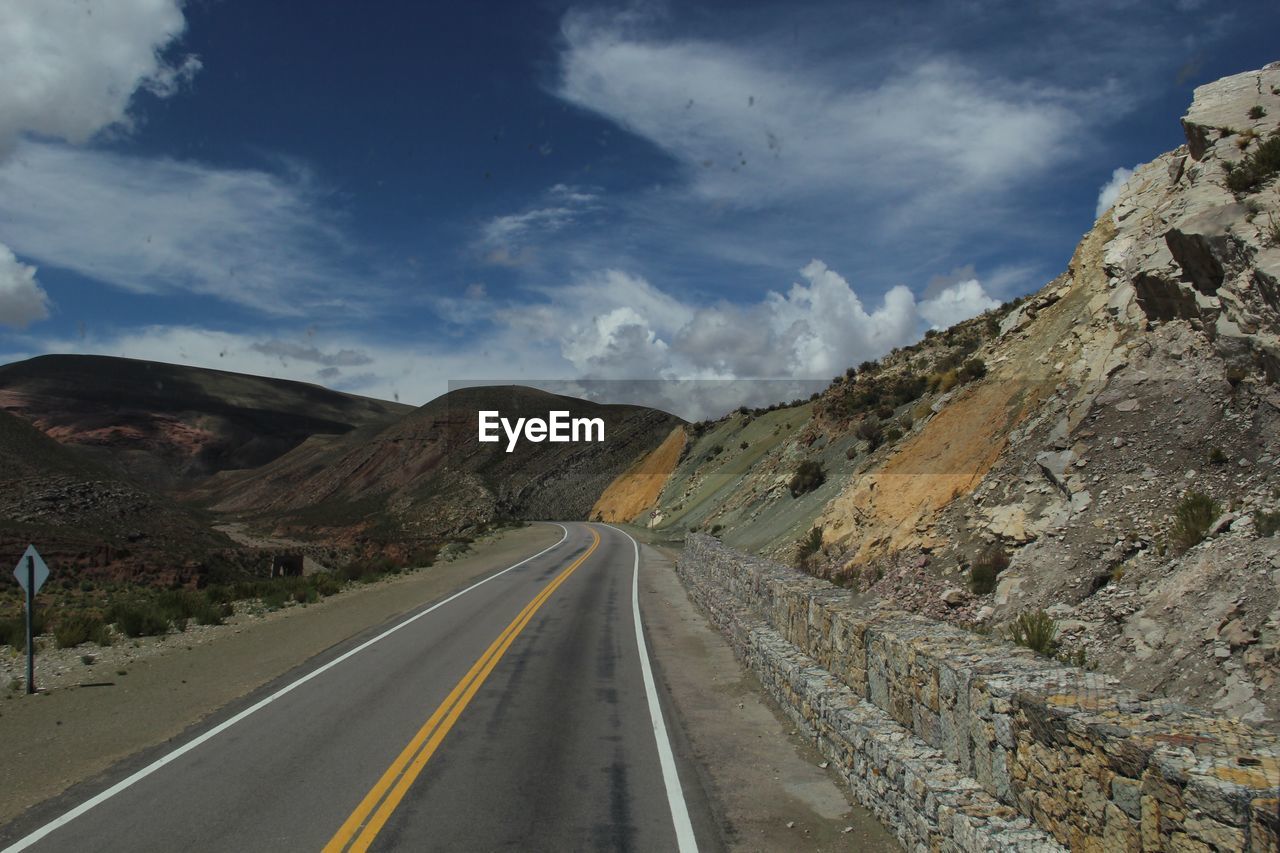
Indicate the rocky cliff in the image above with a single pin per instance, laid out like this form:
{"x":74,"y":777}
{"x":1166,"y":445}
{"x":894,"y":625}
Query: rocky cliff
{"x":1105,"y":451}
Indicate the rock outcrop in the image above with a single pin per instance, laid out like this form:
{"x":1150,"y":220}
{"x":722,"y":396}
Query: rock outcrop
{"x":1069,"y":444}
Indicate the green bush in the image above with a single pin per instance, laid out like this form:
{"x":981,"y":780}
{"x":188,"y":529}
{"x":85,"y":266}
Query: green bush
{"x":139,"y":618}
{"x":13,"y":631}
{"x":77,"y":628}
{"x":1192,"y":519}
{"x":986,"y":568}
{"x":870,"y":431}
{"x":1036,"y":631}
{"x":974,"y":368}
{"x":1257,"y":111}
{"x":808,"y":476}
{"x":1257,"y":168}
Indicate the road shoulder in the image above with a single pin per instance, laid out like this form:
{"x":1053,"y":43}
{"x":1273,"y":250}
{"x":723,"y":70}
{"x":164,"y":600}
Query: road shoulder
{"x":763,"y":782}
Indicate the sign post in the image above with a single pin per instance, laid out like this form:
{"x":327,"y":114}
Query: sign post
{"x":31,"y":573}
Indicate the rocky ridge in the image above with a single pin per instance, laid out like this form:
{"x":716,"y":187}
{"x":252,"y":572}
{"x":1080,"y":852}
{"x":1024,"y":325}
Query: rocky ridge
{"x":1063,"y":433}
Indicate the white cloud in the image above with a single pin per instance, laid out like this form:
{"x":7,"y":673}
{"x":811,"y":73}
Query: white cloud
{"x":163,"y":226}
{"x":22,"y":300}
{"x":749,"y":127}
{"x":70,"y":69}
{"x":958,"y":302}
{"x":1110,"y":191}
{"x":503,"y":239}
{"x":630,"y":329}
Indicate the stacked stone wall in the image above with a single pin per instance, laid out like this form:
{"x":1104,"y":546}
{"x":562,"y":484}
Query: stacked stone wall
{"x":962,"y":742}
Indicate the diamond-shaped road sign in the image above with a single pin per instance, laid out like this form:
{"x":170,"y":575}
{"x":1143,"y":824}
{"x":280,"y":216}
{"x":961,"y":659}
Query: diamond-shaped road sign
{"x":41,"y":573}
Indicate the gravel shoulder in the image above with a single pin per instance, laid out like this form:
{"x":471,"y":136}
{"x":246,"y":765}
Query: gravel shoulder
{"x":765,"y":783}
{"x":139,"y":696}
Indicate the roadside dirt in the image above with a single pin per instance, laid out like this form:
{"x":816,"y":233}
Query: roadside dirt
{"x":54,"y":740}
{"x":766,"y":782}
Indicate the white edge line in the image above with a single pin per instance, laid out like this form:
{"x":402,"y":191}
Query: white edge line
{"x":675,"y":793}
{"x":49,"y":827}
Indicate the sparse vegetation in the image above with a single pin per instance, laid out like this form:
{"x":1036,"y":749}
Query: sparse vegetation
{"x":808,"y":476}
{"x":808,"y":545}
{"x":1217,"y":456}
{"x":870,"y":431}
{"x":77,"y":628}
{"x":986,"y":568}
{"x":1257,"y":111}
{"x":1036,"y":631}
{"x":1271,"y":233}
{"x":1192,"y":519}
{"x":1267,"y":523}
{"x":1257,"y":168}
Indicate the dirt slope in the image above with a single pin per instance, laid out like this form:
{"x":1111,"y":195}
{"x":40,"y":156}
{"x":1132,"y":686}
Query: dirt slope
{"x":636,"y":490}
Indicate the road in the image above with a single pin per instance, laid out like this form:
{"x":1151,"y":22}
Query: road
{"x":518,"y":713}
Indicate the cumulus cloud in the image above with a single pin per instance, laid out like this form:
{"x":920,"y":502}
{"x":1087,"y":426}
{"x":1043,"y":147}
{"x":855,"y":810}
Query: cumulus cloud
{"x":819,"y":326}
{"x":1110,"y":191}
{"x":22,"y":300}
{"x":157,"y":226}
{"x":71,"y":69}
{"x":748,"y":128}
{"x":960,"y":301}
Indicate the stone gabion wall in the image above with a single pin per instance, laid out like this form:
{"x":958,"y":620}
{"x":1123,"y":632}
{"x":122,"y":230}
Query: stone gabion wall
{"x":1094,"y":766}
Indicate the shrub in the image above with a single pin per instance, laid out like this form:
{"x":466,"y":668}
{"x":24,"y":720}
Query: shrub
{"x":891,"y":435}
{"x":1267,"y":523}
{"x":808,"y":476}
{"x":851,"y":452}
{"x":986,"y":568}
{"x":808,"y":545}
{"x":884,"y":412}
{"x":1256,"y":169}
{"x":1257,"y":111}
{"x":1036,"y":631}
{"x":1217,"y":456}
{"x":870,"y":431}
{"x":77,"y":628}
{"x":139,"y":618}
{"x":1192,"y":519}
{"x":13,"y":631}
{"x":325,"y":584}
{"x":743,"y":446}
{"x":944,"y":381}
{"x":974,"y":368}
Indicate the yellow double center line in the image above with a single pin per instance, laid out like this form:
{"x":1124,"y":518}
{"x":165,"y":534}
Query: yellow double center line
{"x":359,"y":830}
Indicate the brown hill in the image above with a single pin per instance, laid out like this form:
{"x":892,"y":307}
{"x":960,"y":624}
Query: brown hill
{"x":89,"y":522}
{"x":428,"y":475}
{"x":166,"y":424}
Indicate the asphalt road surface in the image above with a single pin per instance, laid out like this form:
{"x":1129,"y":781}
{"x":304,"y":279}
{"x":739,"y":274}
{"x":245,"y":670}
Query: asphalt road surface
{"x":519,"y":713}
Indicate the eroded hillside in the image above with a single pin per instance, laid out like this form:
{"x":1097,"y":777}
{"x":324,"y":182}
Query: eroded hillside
{"x":1105,"y":451}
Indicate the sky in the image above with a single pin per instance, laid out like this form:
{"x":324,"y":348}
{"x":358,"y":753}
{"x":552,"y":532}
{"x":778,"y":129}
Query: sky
{"x":388,"y":198}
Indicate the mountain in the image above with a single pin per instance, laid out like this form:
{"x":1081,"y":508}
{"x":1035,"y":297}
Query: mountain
{"x":1106,"y":450}
{"x":428,"y":475}
{"x":166,"y":424}
{"x":89,"y":522}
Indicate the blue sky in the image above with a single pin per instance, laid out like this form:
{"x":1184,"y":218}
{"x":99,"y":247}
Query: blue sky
{"x":385,"y":199}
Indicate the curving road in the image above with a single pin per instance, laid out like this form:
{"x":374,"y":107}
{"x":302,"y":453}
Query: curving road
{"x":519,"y":713}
